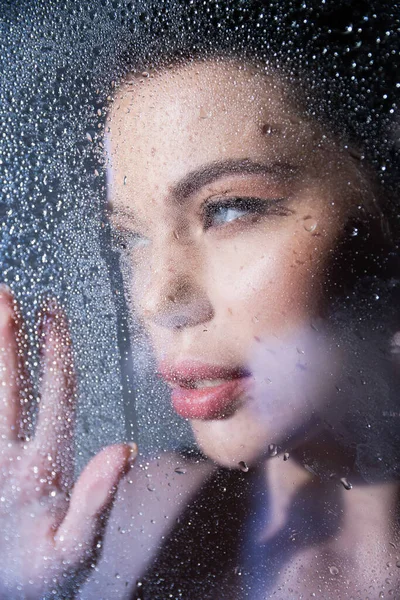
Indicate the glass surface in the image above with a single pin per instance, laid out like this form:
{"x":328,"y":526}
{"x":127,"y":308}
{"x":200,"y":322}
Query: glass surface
{"x":199,"y":310}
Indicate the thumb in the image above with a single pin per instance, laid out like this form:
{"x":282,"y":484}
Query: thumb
{"x":92,"y":496}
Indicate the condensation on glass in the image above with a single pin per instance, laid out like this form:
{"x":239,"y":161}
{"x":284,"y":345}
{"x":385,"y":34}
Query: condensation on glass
{"x":199,"y":322}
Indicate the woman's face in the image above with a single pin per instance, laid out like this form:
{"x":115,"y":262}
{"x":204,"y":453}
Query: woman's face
{"x":228,"y":205}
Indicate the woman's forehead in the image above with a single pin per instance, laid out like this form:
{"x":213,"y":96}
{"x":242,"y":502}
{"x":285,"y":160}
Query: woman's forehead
{"x":201,"y":107}
{"x":178,"y":122}
{"x":203,"y":90}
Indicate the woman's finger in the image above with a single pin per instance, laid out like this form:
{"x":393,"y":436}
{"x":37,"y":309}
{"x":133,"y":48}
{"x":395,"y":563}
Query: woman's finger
{"x":10,"y":372}
{"x":92,"y":496}
{"x":54,"y":432}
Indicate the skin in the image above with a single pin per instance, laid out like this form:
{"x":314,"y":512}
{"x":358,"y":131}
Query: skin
{"x":248,"y":285}
{"x":49,"y":530}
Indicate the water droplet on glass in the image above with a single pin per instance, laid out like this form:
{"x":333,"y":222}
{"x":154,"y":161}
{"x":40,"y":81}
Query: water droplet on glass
{"x":203,"y":113}
{"x":286,"y":456}
{"x":272,"y":449}
{"x":310,"y":224}
{"x":345,"y":483}
{"x":333,"y":570}
{"x":180,"y":470}
{"x":243,"y":466}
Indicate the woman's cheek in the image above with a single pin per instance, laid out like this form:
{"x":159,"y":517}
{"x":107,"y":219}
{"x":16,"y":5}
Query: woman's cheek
{"x":266,"y":278}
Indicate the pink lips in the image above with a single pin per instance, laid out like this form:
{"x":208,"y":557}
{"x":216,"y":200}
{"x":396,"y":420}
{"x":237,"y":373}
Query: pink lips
{"x":192,"y":400}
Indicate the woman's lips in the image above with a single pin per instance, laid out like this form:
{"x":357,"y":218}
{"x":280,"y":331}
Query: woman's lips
{"x":204,"y":392}
{"x":205,"y":403}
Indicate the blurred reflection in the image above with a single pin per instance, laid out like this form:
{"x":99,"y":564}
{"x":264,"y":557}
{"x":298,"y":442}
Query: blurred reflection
{"x":259,"y":257}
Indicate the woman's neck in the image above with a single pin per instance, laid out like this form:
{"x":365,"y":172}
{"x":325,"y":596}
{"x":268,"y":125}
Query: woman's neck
{"x":362,"y":507}
{"x":330,"y":528}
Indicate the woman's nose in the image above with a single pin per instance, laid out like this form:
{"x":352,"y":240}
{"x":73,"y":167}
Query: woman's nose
{"x":175,"y":300}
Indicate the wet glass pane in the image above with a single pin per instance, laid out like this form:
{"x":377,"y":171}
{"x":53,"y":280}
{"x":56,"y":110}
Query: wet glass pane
{"x":199,"y":301}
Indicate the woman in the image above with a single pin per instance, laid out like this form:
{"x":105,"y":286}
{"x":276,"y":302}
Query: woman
{"x":234,"y":210}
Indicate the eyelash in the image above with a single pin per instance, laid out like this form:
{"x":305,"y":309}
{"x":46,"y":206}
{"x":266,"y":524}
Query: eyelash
{"x":251,"y":205}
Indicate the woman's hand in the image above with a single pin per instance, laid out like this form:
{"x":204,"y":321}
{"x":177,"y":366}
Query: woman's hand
{"x":50,"y":532}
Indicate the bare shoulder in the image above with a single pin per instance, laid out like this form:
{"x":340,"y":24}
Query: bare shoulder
{"x":149,"y":502}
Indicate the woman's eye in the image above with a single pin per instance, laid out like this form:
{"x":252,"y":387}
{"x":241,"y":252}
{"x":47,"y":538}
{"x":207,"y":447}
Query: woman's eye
{"x":126,"y":241}
{"x":223,"y":211}
{"x":225,"y":214}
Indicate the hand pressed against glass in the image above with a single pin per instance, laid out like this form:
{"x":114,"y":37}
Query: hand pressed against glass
{"x":49,"y":532}
{"x":229,"y":204}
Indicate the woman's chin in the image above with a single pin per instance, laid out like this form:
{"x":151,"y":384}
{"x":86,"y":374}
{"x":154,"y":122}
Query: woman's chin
{"x":235,"y":442}
{"x":231,"y":457}
{"x":251,"y":435}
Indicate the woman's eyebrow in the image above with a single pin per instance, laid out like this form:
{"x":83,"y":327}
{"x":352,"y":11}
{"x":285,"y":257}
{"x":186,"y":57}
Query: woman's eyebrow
{"x":206,"y":174}
{"x":194,"y":181}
